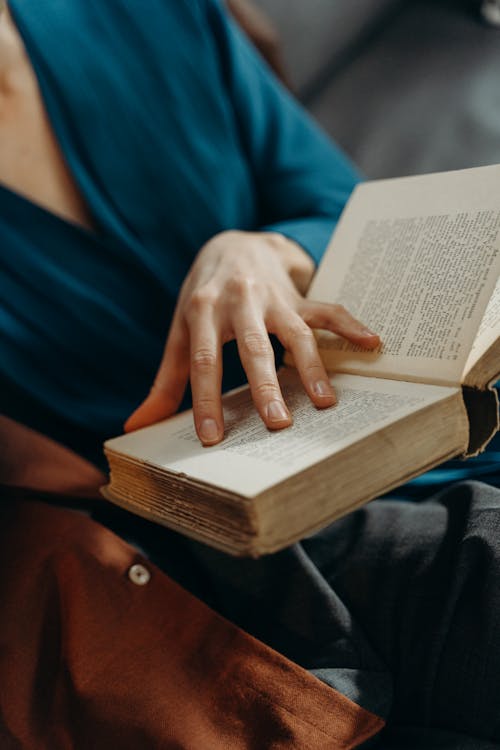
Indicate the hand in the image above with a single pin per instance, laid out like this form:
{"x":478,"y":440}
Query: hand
{"x":244,"y":286}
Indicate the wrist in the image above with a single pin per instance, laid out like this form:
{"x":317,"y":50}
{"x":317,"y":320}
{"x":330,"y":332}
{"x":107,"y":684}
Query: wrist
{"x":296,"y":261}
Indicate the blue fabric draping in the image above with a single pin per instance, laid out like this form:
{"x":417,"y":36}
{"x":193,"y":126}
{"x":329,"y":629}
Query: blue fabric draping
{"x":173,"y":130}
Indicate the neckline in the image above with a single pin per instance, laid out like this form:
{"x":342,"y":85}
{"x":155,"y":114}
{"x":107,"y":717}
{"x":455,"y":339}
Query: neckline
{"x":16,"y":195}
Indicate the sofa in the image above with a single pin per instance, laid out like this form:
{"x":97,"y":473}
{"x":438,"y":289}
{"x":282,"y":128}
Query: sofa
{"x":405,"y":86}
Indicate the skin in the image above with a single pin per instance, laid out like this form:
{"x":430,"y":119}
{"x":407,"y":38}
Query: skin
{"x":243,"y":295}
{"x":31,"y":162}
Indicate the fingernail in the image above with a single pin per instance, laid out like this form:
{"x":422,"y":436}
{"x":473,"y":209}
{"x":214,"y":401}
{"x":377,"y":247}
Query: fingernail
{"x":209,"y":431}
{"x":323,"y":388}
{"x":367,"y":332}
{"x":276,"y":412}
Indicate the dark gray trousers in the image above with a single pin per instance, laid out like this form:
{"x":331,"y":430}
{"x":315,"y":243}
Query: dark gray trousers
{"x":397,"y":606}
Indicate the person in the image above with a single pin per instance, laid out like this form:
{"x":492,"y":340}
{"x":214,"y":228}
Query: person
{"x":158,"y":183}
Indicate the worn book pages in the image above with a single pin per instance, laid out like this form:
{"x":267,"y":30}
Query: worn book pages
{"x":251,"y":459}
{"x":416,"y":259}
{"x":260,"y":491}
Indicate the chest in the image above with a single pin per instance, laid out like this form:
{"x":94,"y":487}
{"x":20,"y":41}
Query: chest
{"x":31,"y":162}
{"x":142,"y":109}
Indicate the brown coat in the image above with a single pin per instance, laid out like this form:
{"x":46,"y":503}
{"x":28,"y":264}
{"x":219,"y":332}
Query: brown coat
{"x":91,"y":659}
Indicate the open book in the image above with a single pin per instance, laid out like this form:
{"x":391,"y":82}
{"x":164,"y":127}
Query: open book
{"x":417,"y":260}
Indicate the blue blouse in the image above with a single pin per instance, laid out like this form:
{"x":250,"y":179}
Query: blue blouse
{"x":174,"y":130}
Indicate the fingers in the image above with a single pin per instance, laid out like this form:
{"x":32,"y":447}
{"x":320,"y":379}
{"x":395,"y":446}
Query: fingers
{"x":191,"y":352}
{"x":206,"y":376}
{"x":257,"y":358}
{"x":170,"y":382}
{"x":337,"y":319}
{"x":194,"y":350}
{"x":294,"y":331}
{"x":298,"y":339}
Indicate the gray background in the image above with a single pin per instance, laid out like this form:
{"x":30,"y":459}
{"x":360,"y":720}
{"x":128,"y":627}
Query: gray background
{"x":405,"y":86}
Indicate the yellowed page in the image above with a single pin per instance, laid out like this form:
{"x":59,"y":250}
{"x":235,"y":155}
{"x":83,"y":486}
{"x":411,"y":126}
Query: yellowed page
{"x":416,"y":259}
{"x":251,"y":459}
{"x":489,"y":331}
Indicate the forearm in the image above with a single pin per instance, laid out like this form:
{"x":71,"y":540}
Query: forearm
{"x":302,"y":181}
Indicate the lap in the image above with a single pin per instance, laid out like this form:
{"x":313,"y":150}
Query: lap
{"x":397,"y":606}
{"x":424,"y":582}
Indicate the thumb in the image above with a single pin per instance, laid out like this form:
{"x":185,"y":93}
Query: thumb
{"x":169,"y":385}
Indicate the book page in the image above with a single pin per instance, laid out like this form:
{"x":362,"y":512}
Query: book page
{"x":416,"y":259}
{"x":252,"y":459}
{"x":489,"y":331}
